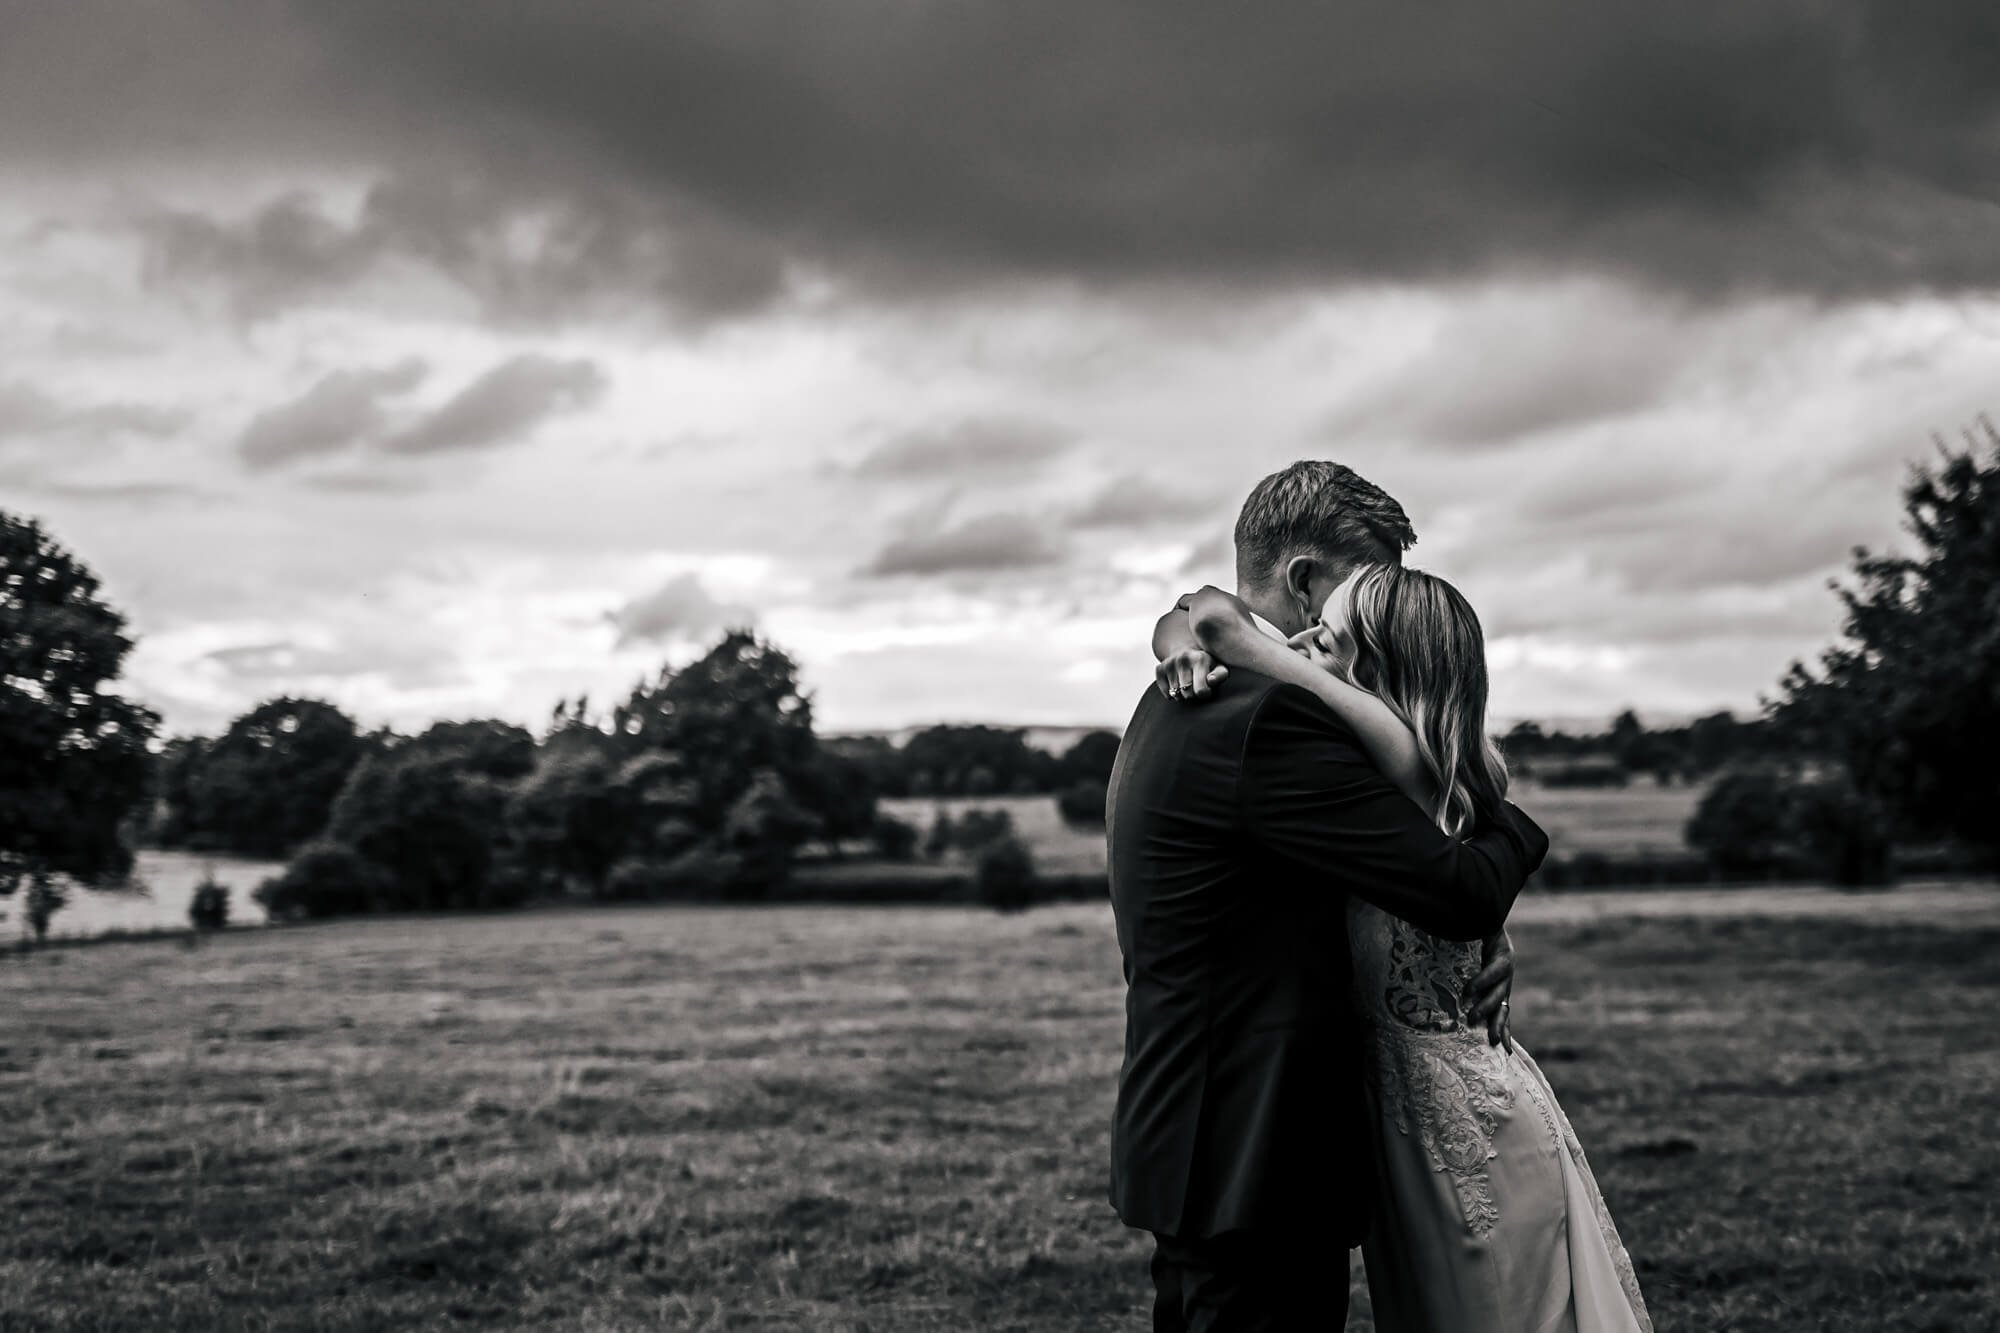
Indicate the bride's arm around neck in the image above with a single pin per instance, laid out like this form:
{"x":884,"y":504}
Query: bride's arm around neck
{"x":1223,"y":625}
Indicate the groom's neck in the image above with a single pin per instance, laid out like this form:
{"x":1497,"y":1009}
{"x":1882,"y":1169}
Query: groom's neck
{"x":1271,"y":604}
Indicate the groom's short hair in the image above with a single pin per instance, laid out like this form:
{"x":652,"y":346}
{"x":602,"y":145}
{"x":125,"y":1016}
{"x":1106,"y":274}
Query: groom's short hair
{"x":1326,"y":509}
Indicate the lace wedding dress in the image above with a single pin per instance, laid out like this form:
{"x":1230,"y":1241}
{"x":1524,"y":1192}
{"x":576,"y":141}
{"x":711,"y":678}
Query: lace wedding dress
{"x":1486,"y":1216}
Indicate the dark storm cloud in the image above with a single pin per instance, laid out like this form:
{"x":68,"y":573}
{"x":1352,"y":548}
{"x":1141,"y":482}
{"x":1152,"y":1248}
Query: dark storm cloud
{"x":503,"y":404}
{"x":988,"y":544}
{"x":999,"y":444}
{"x":1139,"y":501}
{"x":28,"y":413}
{"x":1829,"y":149}
{"x":680,"y":607}
{"x":341,"y":410}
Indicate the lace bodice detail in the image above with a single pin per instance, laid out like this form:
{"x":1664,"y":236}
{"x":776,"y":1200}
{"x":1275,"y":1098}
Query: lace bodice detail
{"x":1437,"y":1078}
{"x":1441,"y":1081}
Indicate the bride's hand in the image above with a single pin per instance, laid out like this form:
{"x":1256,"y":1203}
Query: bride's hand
{"x":1190,"y":674}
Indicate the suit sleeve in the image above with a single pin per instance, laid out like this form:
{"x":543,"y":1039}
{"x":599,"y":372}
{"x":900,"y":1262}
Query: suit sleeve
{"x":1311,"y":796}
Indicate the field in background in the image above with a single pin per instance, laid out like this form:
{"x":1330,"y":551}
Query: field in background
{"x":1058,"y":847}
{"x":170,"y":878}
{"x":1634,"y":821}
{"x":1640,"y":820}
{"x":840,"y":1119}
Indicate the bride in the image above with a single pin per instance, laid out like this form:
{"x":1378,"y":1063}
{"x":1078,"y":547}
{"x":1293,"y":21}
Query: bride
{"x":1486,"y":1214}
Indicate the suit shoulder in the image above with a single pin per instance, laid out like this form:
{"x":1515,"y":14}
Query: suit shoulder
{"x":1284,"y":703}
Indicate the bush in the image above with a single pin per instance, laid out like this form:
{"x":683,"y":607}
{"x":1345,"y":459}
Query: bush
{"x":942,"y":835}
{"x":1741,"y":825}
{"x":1770,"y":825}
{"x":702,"y":872}
{"x":44,"y":897}
{"x":209,"y":908}
{"x":1083,"y":802}
{"x":976,"y":828}
{"x":326,"y":879}
{"x":895,"y":839}
{"x":1003,"y":874}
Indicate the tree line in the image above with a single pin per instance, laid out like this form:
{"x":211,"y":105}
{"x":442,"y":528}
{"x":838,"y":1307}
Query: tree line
{"x":707,"y":781}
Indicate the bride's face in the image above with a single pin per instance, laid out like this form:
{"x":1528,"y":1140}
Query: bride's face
{"x":1335,"y":639}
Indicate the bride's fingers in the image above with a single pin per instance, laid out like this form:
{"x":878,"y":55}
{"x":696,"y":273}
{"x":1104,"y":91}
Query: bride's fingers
{"x":1217,"y":675}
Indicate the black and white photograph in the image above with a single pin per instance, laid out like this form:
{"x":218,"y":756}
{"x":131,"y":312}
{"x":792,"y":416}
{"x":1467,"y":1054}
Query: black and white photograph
{"x":885,"y":666}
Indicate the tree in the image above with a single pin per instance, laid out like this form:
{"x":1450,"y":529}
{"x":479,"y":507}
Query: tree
{"x":974,"y":761}
{"x":268,"y":783}
{"x":1089,"y":760}
{"x":431,"y":825}
{"x":840,"y":793}
{"x":1907,"y":699}
{"x":763,"y":829}
{"x":1083,"y":803}
{"x":1843,"y":833}
{"x":895,"y":839}
{"x":73,"y":754}
{"x":482,"y":745}
{"x":1715,"y":740}
{"x":734,"y":713}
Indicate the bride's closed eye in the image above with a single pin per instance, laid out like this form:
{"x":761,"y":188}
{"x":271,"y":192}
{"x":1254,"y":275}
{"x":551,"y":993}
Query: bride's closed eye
{"x":1316,"y":643}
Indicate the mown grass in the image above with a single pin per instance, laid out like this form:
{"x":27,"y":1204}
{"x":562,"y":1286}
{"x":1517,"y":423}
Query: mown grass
{"x":819,"y":1118}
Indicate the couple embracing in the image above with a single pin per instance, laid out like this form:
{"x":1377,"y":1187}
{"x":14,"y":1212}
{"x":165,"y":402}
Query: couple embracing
{"x":1312,"y":862}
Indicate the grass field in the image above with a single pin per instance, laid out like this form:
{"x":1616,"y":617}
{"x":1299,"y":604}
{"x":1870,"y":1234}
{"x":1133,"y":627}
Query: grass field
{"x":828,"y":1119}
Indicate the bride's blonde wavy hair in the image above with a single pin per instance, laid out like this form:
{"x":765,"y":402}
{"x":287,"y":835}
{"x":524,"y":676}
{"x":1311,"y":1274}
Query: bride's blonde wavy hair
{"x":1418,"y":647}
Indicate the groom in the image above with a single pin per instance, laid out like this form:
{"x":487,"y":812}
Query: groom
{"x":1237,"y":830}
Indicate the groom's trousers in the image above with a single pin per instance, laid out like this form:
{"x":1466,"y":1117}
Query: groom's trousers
{"x":1277,"y":1281}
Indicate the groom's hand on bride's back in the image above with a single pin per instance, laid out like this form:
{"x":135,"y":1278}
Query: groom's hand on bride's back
{"x":1485,"y":1002}
{"x":1189,"y":675}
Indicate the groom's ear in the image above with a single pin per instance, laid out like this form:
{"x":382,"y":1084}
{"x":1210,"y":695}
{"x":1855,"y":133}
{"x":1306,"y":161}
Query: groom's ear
{"x":1300,"y":571}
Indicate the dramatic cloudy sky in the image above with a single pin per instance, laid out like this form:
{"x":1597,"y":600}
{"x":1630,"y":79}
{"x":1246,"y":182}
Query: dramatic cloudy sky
{"x":443,"y":359}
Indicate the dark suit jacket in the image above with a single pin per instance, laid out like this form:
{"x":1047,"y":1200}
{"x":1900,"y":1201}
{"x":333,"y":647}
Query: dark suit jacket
{"x":1237,"y":828}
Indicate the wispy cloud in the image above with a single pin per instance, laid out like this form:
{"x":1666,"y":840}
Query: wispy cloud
{"x":679,"y":609}
{"x":986,"y":544}
{"x":1136,"y":500}
{"x":341,"y":410}
{"x":978,"y":445}
{"x":503,"y":404}
{"x":27,"y":412}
